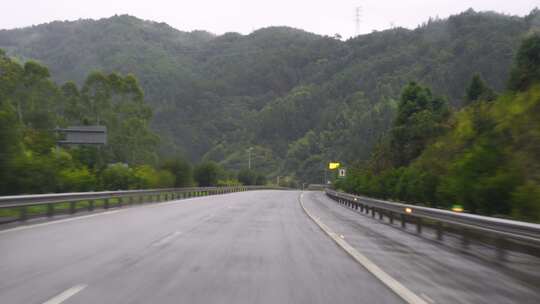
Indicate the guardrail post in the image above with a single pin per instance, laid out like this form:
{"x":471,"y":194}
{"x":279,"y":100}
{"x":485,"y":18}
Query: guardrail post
{"x":120,"y":201}
{"x":72,"y":208}
{"x":403,"y":221}
{"x":373,"y":212}
{"x":439,"y":229}
{"x":91,"y":205}
{"x":380,"y":215}
{"x":23,"y":215}
{"x":391,"y":217}
{"x":106,"y":204}
{"x":419,"y":225}
{"x":50,"y":210}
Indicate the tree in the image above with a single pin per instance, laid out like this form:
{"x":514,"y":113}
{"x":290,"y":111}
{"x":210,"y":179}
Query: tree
{"x":478,"y":90}
{"x":117,"y":177}
{"x":247,"y":177}
{"x":10,"y":144}
{"x":260,"y":180}
{"x":420,"y":118}
{"x":526,"y":70}
{"x":207,"y":174}
{"x":181,"y":170}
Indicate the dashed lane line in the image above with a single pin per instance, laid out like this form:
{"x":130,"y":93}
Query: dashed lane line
{"x":66,"y":294}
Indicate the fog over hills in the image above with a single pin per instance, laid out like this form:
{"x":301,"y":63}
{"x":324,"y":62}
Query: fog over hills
{"x":280,"y":90}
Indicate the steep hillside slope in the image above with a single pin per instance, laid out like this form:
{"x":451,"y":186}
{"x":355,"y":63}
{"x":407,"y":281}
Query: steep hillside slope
{"x":277,"y":89}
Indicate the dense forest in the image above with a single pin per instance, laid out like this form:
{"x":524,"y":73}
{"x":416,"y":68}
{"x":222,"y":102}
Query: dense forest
{"x":293,"y":99}
{"x":32,"y":106}
{"x":484,"y":157}
{"x":297,"y":99}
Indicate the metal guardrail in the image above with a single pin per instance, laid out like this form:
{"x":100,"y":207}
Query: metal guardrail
{"x":501,"y":233}
{"x":22,"y":203}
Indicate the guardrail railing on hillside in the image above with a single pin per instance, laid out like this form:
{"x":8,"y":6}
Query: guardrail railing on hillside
{"x":22,"y":207}
{"x":502,"y":234}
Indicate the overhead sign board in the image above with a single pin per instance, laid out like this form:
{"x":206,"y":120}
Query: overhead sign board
{"x":83,"y":135}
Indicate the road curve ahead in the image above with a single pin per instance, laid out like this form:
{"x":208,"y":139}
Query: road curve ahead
{"x":249,"y":247}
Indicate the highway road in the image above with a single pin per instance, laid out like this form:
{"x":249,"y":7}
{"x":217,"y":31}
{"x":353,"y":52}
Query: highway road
{"x":247,"y":247}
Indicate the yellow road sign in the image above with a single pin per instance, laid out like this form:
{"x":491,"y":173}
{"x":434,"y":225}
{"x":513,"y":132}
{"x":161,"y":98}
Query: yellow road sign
{"x":333,"y":166}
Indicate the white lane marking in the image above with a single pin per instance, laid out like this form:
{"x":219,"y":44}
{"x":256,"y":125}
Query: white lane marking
{"x":58,"y":221}
{"x":66,"y":294}
{"x":398,"y":288}
{"x":166,"y":239}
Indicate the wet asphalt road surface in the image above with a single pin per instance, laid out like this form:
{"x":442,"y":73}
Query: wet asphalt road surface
{"x":438,"y":272}
{"x":249,"y":247}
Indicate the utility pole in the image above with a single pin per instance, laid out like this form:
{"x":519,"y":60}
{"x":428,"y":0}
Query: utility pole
{"x":249,"y":157}
{"x":358,"y":19}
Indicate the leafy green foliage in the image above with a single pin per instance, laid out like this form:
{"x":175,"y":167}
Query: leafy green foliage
{"x":488,"y":160}
{"x":299,"y":99}
{"x":10,"y":143}
{"x":182,"y":171}
{"x":478,"y":90}
{"x":207,"y":174}
{"x":420,"y":118}
{"x":526,"y":70}
{"x":215,"y":96}
{"x":31,"y":105}
{"x":251,"y":177}
{"x":117,"y":177}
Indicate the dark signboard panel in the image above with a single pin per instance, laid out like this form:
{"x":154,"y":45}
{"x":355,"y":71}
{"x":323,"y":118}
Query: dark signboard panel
{"x":83,"y":135}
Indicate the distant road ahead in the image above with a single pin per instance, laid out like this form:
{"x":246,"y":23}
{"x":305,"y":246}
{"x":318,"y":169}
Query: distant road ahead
{"x":249,"y":247}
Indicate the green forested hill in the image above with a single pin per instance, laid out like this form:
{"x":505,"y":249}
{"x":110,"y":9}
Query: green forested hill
{"x":483,"y":157}
{"x":298,"y":98}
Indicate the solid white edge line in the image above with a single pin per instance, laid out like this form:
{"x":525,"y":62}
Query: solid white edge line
{"x":398,"y":288}
{"x":66,"y":294}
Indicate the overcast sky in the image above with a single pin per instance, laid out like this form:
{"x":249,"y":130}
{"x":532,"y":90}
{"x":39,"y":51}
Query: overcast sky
{"x":325,"y":17}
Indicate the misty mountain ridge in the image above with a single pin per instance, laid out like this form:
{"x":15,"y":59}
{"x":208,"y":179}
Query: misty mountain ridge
{"x":277,"y":87}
